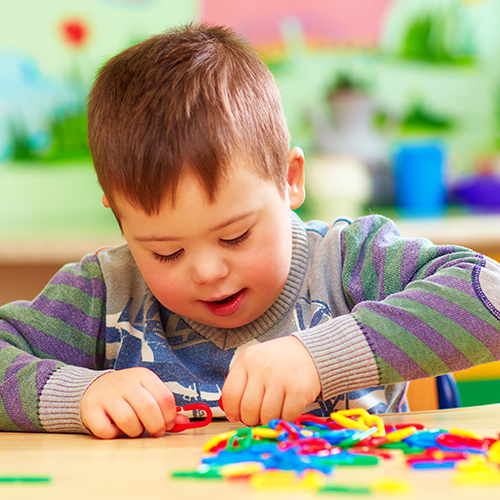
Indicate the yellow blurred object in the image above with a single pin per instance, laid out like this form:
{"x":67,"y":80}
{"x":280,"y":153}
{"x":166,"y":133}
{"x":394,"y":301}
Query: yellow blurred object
{"x":213,"y":442}
{"x":477,"y":470}
{"x":494,"y":452}
{"x":347,"y":422}
{"x":241,"y":469}
{"x":279,"y":480}
{"x":466,"y":433}
{"x":365,"y":420}
{"x":391,"y":485}
{"x":488,"y":371}
{"x":264,"y":432}
{"x":399,"y":435}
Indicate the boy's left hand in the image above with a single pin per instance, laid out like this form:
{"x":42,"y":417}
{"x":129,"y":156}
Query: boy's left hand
{"x":275,"y":379}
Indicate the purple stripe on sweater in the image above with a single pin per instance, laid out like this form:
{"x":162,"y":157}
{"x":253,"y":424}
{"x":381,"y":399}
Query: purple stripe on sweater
{"x":393,"y":356}
{"x":45,"y":369}
{"x":51,"y":346}
{"x":91,"y":286}
{"x":9,"y":391}
{"x":20,"y":361}
{"x":409,"y":257}
{"x":446,"y":258}
{"x":355,"y":289}
{"x":452,"y":282}
{"x":379,"y":261}
{"x":433,"y":339}
{"x":409,"y":261}
{"x":69,"y":314}
{"x":487,"y":334}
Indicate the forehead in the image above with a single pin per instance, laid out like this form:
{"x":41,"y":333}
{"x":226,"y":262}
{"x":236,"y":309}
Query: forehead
{"x":239,"y":176}
{"x":242,"y":189}
{"x":234,"y":185}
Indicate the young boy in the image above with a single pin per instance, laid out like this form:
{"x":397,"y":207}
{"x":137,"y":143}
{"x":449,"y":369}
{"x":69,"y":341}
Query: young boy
{"x":221,"y":290}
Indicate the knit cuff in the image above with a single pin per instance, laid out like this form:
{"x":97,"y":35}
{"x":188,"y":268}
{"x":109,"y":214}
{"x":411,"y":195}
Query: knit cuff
{"x":342,"y":356}
{"x":61,"y":396}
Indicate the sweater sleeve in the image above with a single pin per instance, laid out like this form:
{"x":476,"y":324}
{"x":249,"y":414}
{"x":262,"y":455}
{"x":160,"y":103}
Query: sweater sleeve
{"x":417,"y":310}
{"x":51,"y":349}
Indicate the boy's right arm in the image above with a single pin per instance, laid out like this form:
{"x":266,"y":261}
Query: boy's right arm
{"x":51,"y":349}
{"x":52,"y":355}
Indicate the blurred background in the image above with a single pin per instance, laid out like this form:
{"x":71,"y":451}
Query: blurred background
{"x":396,"y":104}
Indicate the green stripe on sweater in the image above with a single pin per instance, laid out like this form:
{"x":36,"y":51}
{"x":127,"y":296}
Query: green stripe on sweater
{"x":463,"y":340}
{"x":75,"y":297}
{"x":53,"y":327}
{"x":413,"y":347}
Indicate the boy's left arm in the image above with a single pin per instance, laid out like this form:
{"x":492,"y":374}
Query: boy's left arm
{"x":418,"y":310}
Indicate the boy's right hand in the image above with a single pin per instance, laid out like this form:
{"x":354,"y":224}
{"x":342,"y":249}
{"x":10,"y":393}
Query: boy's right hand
{"x":129,"y":401}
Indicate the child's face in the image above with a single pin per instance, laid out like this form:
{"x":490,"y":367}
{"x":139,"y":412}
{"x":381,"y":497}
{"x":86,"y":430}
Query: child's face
{"x":224,"y":263}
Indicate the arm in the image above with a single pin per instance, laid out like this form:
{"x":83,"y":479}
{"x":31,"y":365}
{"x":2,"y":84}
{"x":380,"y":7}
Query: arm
{"x":418,"y":310}
{"x":51,"y":349}
{"x":52,"y":375}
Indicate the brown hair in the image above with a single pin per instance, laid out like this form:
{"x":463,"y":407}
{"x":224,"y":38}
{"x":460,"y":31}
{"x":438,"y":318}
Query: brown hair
{"x":195,"y":98}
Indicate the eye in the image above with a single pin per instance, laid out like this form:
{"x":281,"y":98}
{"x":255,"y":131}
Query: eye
{"x":168,"y":258}
{"x":238,"y":240}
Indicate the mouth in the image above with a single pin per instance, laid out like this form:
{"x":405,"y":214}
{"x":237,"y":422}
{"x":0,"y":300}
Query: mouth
{"x":226,"y":300}
{"x":228,"y":305}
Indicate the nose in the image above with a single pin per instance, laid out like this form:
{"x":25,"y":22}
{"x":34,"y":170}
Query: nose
{"x":209,"y":268}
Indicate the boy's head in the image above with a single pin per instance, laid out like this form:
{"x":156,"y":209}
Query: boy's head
{"x":194,"y":100}
{"x":190,"y":146}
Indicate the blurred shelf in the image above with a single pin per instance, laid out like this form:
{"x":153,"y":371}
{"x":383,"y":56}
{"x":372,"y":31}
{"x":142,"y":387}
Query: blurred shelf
{"x":53,"y":250}
{"x":478,"y":232}
{"x":51,"y":214}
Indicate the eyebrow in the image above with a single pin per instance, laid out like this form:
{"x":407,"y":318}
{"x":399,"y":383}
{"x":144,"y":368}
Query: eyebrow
{"x":224,"y":224}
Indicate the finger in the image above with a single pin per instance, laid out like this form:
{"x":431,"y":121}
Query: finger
{"x":272,"y":404}
{"x":164,"y":402}
{"x":147,"y":412}
{"x":181,"y":419}
{"x":251,"y":403}
{"x":125,"y":418}
{"x":101,"y":425}
{"x":232,"y":392}
{"x":294,"y":405}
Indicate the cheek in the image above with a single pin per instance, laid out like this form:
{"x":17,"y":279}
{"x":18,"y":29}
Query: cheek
{"x":270,"y":264}
{"x":164,"y":284}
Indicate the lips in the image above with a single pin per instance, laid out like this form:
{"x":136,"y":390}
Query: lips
{"x":226,"y":300}
{"x":228,"y":305}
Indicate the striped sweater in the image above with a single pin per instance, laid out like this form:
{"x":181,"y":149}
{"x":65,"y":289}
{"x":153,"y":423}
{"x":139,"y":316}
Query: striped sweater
{"x":373,"y":309}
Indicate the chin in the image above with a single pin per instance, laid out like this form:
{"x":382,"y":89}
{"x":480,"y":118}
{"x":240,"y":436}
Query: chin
{"x":229,"y":323}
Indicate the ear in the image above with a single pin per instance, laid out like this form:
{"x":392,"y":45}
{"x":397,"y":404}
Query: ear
{"x":105,"y":201}
{"x":295,"y":178}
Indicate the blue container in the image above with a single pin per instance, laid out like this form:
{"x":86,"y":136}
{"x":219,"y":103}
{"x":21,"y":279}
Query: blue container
{"x":419,"y":179}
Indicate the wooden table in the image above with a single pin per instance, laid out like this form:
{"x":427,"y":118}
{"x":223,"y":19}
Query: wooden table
{"x":83,"y":467}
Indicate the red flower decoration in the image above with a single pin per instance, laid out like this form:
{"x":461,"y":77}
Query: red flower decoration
{"x":75,"y":32}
